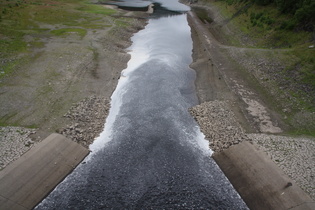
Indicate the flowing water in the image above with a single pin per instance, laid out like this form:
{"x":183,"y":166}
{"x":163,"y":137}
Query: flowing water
{"x":151,"y":154}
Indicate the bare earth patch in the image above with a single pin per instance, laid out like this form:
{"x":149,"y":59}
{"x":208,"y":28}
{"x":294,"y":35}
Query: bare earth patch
{"x":65,"y":85}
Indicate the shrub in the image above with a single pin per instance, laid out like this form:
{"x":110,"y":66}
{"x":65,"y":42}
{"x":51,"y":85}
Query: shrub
{"x":288,"y":25}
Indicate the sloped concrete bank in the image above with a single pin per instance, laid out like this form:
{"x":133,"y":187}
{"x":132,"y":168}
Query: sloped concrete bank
{"x":261,"y":184}
{"x":25,"y":182}
{"x":229,"y":112}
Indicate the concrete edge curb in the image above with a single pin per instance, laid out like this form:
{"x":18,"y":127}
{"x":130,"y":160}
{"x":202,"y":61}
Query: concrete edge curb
{"x":28,"y":180}
{"x":259,"y":181}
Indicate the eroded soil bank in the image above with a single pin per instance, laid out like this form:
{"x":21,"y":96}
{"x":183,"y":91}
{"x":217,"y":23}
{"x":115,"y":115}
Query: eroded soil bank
{"x":234,"y":107}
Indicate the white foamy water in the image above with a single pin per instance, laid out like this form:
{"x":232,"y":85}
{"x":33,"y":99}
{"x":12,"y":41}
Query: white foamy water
{"x":151,"y":153}
{"x":155,"y":42}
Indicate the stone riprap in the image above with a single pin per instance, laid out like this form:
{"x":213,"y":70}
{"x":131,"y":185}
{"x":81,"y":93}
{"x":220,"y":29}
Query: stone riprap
{"x":87,"y":120}
{"x":218,"y":123}
{"x":14,"y":142}
{"x":294,"y":155}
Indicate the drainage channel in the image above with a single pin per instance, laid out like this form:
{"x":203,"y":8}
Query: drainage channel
{"x":151,"y":153}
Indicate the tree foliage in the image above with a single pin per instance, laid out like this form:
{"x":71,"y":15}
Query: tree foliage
{"x":302,"y":11}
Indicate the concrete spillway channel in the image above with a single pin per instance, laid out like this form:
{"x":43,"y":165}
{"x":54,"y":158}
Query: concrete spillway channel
{"x":151,"y":153}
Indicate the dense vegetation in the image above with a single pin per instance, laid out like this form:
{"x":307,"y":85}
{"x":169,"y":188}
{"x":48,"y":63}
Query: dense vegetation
{"x":288,"y":25}
{"x":302,"y":12}
{"x":280,"y":24}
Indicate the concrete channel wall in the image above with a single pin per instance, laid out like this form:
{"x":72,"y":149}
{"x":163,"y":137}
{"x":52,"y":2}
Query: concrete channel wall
{"x":27,"y":181}
{"x":259,"y":181}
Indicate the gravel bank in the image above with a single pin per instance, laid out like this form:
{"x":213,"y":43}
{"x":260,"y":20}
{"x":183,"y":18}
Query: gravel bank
{"x":87,"y":120}
{"x":294,"y":155}
{"x":14,"y":142}
{"x":219,"y":125}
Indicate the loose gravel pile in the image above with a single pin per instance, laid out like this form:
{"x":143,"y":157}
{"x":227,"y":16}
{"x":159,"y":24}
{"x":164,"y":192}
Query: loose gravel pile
{"x":14,"y":142}
{"x":295,"y":156}
{"x":218,"y":123}
{"x":87,"y":120}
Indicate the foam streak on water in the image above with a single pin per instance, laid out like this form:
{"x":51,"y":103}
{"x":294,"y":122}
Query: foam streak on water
{"x":155,"y":43}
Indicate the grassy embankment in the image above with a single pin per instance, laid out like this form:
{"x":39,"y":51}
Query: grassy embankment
{"x":26,"y":26}
{"x":269,"y":28}
{"x":22,"y":18}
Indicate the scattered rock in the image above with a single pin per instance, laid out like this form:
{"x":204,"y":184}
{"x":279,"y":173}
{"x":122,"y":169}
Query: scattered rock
{"x":295,"y":156}
{"x":14,"y":142}
{"x":87,"y":120}
{"x":217,"y":122}
{"x":276,"y":74}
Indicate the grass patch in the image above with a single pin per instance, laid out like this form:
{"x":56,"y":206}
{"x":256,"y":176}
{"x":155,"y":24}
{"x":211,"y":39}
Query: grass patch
{"x":4,"y":120}
{"x":19,"y":18}
{"x":301,"y":65}
{"x":36,"y":44}
{"x":12,"y":43}
{"x":299,"y":132}
{"x":66,"y":31}
{"x":122,"y":22}
{"x":96,"y":9}
{"x":266,"y":25}
{"x":202,"y":15}
{"x":8,"y":67}
{"x":95,"y":26}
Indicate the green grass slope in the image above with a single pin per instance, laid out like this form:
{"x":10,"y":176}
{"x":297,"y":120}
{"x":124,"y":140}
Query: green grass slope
{"x":42,"y":18}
